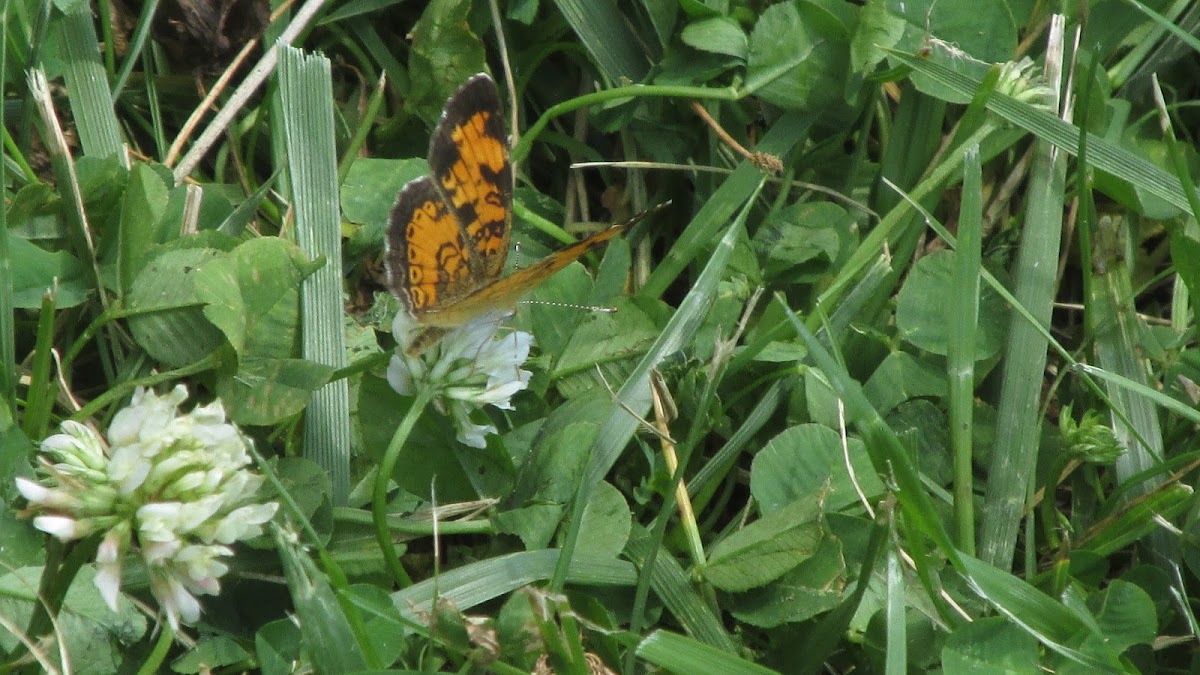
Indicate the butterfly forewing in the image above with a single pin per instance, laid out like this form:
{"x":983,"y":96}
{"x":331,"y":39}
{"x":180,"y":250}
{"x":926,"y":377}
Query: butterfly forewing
{"x":468,"y":156}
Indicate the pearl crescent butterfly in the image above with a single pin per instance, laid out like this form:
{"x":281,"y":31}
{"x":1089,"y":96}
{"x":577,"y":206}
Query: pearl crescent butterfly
{"x":448,"y":233}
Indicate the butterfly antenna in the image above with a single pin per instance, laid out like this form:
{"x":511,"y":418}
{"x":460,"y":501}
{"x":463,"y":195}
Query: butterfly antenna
{"x":569,"y":305}
{"x":589,"y":308}
{"x":550,"y":303}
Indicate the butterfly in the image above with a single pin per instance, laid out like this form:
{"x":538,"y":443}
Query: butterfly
{"x":448,"y":234}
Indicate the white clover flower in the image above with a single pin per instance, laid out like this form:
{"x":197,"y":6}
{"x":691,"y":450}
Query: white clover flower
{"x":244,"y":523}
{"x":53,"y":498}
{"x":78,"y":450}
{"x":472,"y":366}
{"x":176,"y":600}
{"x":108,"y":563}
{"x":172,"y":489}
{"x":62,"y":527}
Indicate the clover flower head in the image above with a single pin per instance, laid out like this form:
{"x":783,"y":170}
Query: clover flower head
{"x":1090,"y":439}
{"x":1021,"y":80}
{"x":172,"y":490}
{"x":472,"y":366}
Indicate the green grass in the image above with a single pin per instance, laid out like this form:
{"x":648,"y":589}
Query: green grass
{"x":930,"y":388}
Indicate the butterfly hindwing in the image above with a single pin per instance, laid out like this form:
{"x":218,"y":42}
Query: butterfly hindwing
{"x":428,"y":263}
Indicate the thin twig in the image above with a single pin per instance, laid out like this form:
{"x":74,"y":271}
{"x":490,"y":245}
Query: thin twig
{"x":194,"y":119}
{"x":633,"y":164}
{"x":641,"y":420}
{"x":765,"y":161}
{"x":498,"y":26}
{"x":241,"y":95}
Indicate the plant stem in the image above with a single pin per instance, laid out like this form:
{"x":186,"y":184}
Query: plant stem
{"x":379,"y":496}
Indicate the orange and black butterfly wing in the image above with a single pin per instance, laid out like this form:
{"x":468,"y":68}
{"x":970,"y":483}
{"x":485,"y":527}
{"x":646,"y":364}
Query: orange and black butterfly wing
{"x":468,"y":157}
{"x":428,"y":261}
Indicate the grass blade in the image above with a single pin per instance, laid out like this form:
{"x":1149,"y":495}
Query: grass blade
{"x":329,"y":637}
{"x":476,"y":583}
{"x":674,"y":587}
{"x":1024,"y":359}
{"x":634,"y":395}
{"x":1050,"y":621}
{"x":8,"y":330}
{"x":1064,"y":135}
{"x":87,"y":86}
{"x":960,"y":357}
{"x":678,"y":654}
{"x":604,"y":32}
{"x":1119,"y":334}
{"x":306,"y":92}
{"x":896,"y":653}
{"x":1160,"y":399}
